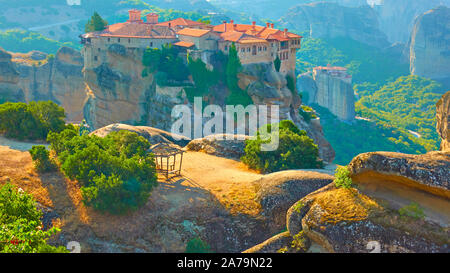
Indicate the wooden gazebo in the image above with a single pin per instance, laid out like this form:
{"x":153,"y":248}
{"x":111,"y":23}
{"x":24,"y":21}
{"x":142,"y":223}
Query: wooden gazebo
{"x":166,"y":156}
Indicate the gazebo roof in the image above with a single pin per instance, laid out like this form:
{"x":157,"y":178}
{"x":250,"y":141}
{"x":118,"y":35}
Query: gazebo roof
{"x":165,"y":149}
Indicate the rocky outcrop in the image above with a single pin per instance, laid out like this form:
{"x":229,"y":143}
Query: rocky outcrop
{"x":219,"y":145}
{"x":429,"y":172}
{"x":330,"y":20}
{"x":37,"y":76}
{"x":430,"y":45}
{"x":277,"y":192}
{"x":9,"y":79}
{"x":443,"y":121}
{"x":346,"y":220}
{"x":119,"y":93}
{"x":397,"y":203}
{"x":153,"y":135}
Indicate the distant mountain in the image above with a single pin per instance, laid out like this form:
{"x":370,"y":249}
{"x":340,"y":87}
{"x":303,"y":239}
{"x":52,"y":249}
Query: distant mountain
{"x":330,"y":20}
{"x":397,"y":16}
{"x":274,"y":9}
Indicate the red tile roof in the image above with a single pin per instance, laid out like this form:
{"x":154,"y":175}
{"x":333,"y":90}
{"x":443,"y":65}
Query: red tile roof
{"x":138,"y":30}
{"x":194,"y":32}
{"x":181,"y":22}
{"x":184,"y":44}
{"x":257,"y":31}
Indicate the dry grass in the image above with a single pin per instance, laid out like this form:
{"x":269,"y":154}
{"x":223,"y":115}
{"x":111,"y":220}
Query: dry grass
{"x":342,"y":205}
{"x":25,"y":59}
{"x":203,"y":175}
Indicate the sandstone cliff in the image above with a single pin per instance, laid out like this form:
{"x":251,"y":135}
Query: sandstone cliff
{"x":9,"y":79}
{"x":332,"y":93}
{"x":430,"y":45}
{"x":443,"y":121}
{"x":37,"y":76}
{"x":119,"y":93}
{"x":330,"y":20}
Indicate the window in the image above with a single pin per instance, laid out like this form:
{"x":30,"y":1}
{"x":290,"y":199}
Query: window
{"x":259,"y":48}
{"x":98,"y":49}
{"x":151,"y":44}
{"x":226,"y":47}
{"x":243,"y":50}
{"x":129,"y":40}
{"x":95,"y":58}
{"x":118,"y":40}
{"x":265,"y":48}
{"x":109,"y":40}
{"x":249,"y":49}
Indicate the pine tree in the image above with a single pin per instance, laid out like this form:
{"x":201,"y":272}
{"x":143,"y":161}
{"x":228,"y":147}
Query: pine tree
{"x":277,"y":64}
{"x":96,"y":23}
{"x":233,"y":67}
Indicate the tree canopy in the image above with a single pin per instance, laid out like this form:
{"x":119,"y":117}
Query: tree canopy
{"x":95,"y":23}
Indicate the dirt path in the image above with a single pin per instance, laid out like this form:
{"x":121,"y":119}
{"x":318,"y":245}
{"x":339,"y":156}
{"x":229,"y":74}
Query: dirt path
{"x":231,"y":182}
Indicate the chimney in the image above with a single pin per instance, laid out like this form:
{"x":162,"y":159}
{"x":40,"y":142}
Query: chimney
{"x":254,"y":24}
{"x":135,"y":15}
{"x":232,"y":22}
{"x":152,"y":18}
{"x":272,"y":25}
{"x":268,"y":25}
{"x":285,"y":32}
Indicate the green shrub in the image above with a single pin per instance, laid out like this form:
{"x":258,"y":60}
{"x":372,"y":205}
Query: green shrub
{"x":20,"y":225}
{"x":291,"y":84}
{"x":300,"y":242}
{"x":295,"y":150}
{"x":298,"y":206}
{"x":58,"y":140}
{"x":197,"y":245}
{"x":166,"y":63}
{"x":41,"y":159}
{"x":412,"y":210}
{"x":307,"y":113}
{"x":31,"y":121}
{"x":342,"y":178}
{"x":116,"y":172}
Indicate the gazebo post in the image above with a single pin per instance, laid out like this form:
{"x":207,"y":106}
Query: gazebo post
{"x":181,"y":162}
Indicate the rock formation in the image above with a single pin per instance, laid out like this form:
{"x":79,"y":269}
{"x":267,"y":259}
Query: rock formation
{"x":430,"y":45}
{"x":153,"y":135}
{"x":330,"y":20}
{"x":118,"y":92}
{"x":219,"y":145}
{"x":443,"y":121}
{"x":398,"y":203}
{"x":9,"y":79}
{"x":37,"y":76}
{"x":334,"y":93}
